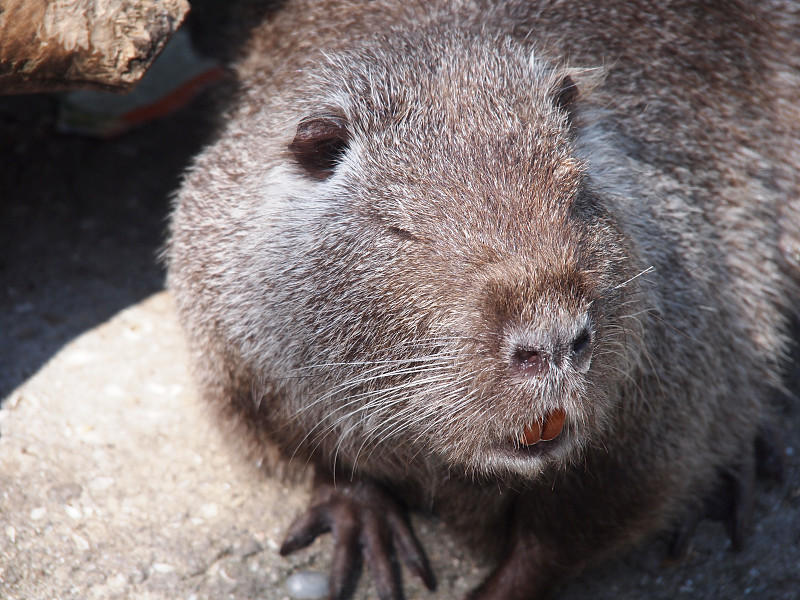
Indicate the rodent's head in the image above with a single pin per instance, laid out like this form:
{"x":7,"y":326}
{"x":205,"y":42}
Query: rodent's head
{"x":438,"y":277}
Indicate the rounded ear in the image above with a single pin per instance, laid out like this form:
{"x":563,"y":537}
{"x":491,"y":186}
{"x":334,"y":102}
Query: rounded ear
{"x":565,"y":95}
{"x":319,"y":144}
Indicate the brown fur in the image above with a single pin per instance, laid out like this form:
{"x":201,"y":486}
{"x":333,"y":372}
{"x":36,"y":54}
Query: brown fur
{"x":362,"y":311}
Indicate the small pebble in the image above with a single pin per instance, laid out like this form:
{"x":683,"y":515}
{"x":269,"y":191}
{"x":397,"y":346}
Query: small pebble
{"x":163,"y":568}
{"x":80,"y":542}
{"x":114,"y":390}
{"x":307,"y":585}
{"x":79,"y":358}
{"x":156,"y":388}
{"x":23,"y":308}
{"x":99,"y":484}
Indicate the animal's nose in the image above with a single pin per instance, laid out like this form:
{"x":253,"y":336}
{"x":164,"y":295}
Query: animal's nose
{"x":534,"y":351}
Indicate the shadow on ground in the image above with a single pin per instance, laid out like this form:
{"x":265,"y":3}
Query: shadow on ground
{"x":81,"y":223}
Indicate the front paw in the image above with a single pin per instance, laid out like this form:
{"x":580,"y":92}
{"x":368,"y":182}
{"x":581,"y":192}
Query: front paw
{"x":731,"y":500}
{"x":365,"y":522}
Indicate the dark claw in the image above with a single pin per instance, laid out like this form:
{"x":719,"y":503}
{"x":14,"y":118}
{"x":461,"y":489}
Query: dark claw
{"x":730,"y":501}
{"x":364,"y":520}
{"x":305,"y":529}
{"x":410,"y":552}
{"x":682,"y":535}
{"x":385,"y":574}
{"x":770,"y":454}
{"x":345,"y":564}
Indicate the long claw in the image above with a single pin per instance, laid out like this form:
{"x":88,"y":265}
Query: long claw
{"x":742,"y":488}
{"x":345,"y":564}
{"x":770,"y":453}
{"x":385,"y":575}
{"x":365,"y":521}
{"x":410,"y":552}
{"x":682,"y":535}
{"x":305,"y":529}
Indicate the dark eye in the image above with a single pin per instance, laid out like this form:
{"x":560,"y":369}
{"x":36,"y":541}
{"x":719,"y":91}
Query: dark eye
{"x":566,"y":93}
{"x":320,"y":144}
{"x":565,"y":96}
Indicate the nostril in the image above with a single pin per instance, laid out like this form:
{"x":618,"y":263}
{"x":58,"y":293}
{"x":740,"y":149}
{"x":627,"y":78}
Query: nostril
{"x":582,"y":351}
{"x":530,"y":361}
{"x":581,"y":342}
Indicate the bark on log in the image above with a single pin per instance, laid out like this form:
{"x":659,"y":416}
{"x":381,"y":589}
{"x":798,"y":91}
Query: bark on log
{"x":50,"y":45}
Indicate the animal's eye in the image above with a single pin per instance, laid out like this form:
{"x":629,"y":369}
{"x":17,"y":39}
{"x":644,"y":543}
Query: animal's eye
{"x":320,"y":144}
{"x":566,"y":95}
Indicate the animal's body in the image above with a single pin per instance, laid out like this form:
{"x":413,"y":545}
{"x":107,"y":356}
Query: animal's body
{"x":525,"y":264}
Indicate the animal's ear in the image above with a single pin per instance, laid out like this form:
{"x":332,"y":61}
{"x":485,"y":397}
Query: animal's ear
{"x":320,"y":143}
{"x":566,"y":93}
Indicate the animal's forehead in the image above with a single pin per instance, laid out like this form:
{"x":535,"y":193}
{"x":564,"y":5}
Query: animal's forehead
{"x":487,"y":187}
{"x":419,"y":74}
{"x":472,"y":150}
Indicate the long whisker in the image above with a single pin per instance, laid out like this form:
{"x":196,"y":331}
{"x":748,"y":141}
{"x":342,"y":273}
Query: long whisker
{"x":649,"y":269}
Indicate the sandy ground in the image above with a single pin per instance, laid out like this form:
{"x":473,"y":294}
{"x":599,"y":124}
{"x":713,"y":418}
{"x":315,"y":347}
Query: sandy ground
{"x":114,"y":483}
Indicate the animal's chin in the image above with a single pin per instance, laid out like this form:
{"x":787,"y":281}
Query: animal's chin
{"x":542,"y":450}
{"x":515,"y":462}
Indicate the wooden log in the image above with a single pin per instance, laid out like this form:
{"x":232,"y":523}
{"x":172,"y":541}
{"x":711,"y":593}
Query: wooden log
{"x":51,"y":45}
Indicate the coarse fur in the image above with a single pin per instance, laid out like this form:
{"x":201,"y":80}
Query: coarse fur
{"x":427,"y":225}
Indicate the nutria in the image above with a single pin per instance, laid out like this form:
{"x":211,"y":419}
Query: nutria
{"x":517,"y":263}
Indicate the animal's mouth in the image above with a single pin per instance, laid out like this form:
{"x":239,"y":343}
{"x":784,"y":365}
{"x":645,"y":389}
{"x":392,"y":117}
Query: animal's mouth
{"x":540,"y":438}
{"x":546,"y":431}
{"x":546,"y":441}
